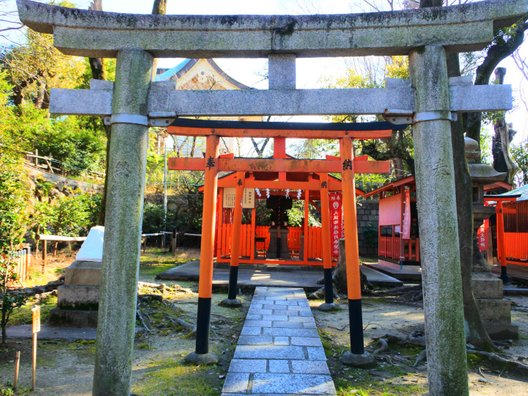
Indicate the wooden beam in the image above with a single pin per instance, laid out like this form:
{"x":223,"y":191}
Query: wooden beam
{"x":279,"y":165}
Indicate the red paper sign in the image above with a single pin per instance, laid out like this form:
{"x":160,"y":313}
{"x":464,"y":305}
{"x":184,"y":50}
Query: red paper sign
{"x":336,"y":221}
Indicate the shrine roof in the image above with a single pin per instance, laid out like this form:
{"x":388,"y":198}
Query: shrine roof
{"x":520,"y":193}
{"x":409,"y":180}
{"x":187,"y":64}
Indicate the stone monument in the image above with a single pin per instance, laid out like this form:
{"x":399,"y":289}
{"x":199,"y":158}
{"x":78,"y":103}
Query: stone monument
{"x":78,"y":298}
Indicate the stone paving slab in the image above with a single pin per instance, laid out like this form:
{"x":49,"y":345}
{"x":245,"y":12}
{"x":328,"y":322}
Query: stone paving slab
{"x":279,"y":351}
{"x":249,"y":276}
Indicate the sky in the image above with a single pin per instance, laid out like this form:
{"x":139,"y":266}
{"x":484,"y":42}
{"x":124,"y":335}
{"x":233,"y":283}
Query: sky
{"x":311,"y":73}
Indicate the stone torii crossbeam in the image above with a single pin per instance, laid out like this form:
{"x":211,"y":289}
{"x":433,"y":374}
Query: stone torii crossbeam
{"x":133,"y":103}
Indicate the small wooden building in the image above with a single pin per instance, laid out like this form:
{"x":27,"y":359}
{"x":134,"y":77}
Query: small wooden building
{"x":511,"y":210}
{"x":398,"y":237}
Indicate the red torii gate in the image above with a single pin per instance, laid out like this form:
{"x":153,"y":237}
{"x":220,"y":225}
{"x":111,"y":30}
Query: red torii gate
{"x":346,"y":165}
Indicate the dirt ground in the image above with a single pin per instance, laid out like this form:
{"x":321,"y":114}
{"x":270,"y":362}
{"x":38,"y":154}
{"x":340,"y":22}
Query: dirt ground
{"x":66,"y":368}
{"x":396,"y":373}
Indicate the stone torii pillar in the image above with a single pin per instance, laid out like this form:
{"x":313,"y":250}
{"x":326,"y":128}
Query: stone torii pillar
{"x":124,"y":214}
{"x":437,"y":216}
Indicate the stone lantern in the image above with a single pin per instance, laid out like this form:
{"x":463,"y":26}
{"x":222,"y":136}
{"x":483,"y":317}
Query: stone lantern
{"x":495,"y":312}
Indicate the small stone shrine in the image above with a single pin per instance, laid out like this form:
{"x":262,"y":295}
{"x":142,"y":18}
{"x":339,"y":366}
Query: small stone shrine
{"x":495,"y":311}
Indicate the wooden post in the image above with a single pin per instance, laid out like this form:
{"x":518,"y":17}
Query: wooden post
{"x":501,"y":254}
{"x":402,"y":214}
{"x":231,"y":300}
{"x":17,"y":370}
{"x":253,"y":230}
{"x":44,"y":255}
{"x":124,"y":213}
{"x":219,"y":220}
{"x":306,"y":223}
{"x":436,"y":200}
{"x":357,"y":355}
{"x":205,"y":284}
{"x":35,"y":313}
{"x":326,"y":245}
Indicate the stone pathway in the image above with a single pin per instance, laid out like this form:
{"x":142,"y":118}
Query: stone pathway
{"x":279,"y":351}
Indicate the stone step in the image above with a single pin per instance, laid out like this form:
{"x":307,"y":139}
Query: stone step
{"x":279,"y":350}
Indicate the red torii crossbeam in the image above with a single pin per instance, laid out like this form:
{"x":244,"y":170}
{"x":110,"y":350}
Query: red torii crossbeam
{"x":330,"y":165}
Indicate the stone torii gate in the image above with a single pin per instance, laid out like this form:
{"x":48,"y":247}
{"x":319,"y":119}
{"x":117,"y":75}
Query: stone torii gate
{"x":133,"y":102}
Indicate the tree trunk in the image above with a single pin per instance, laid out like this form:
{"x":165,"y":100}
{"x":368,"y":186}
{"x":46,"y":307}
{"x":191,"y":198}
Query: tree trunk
{"x":476,"y":333}
{"x":499,"y":49}
{"x":158,"y":8}
{"x":339,"y":277}
{"x":502,"y":162}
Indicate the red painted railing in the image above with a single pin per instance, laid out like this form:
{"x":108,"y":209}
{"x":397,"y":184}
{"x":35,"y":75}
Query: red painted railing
{"x":248,"y":243}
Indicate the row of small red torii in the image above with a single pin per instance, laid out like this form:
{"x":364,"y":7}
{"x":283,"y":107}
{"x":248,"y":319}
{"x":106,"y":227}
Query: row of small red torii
{"x":246,"y":175}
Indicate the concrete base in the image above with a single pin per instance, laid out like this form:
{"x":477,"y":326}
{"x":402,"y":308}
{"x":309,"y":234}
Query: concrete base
{"x":326,"y":307}
{"x":201,"y":358}
{"x":86,"y":273}
{"x":365,"y":360}
{"x":78,"y":297}
{"x":230,"y":303}
{"x":72,"y":318}
{"x":494,"y":310}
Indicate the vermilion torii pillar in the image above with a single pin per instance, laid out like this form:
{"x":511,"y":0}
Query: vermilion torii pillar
{"x":231,"y":300}
{"x":205,"y":283}
{"x":357,"y":355}
{"x":326,"y":246}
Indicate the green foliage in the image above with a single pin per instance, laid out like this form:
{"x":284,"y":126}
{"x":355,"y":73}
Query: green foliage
{"x":10,"y":297}
{"x":399,"y":147}
{"x":296,"y":213}
{"x":316,"y":148}
{"x":36,"y":67}
{"x":398,"y":67}
{"x":14,"y":195}
{"x":369,"y":181}
{"x":152,"y":218}
{"x":70,"y":215}
{"x":520,"y":156}
{"x":76,"y":144}
{"x":486,"y":155}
